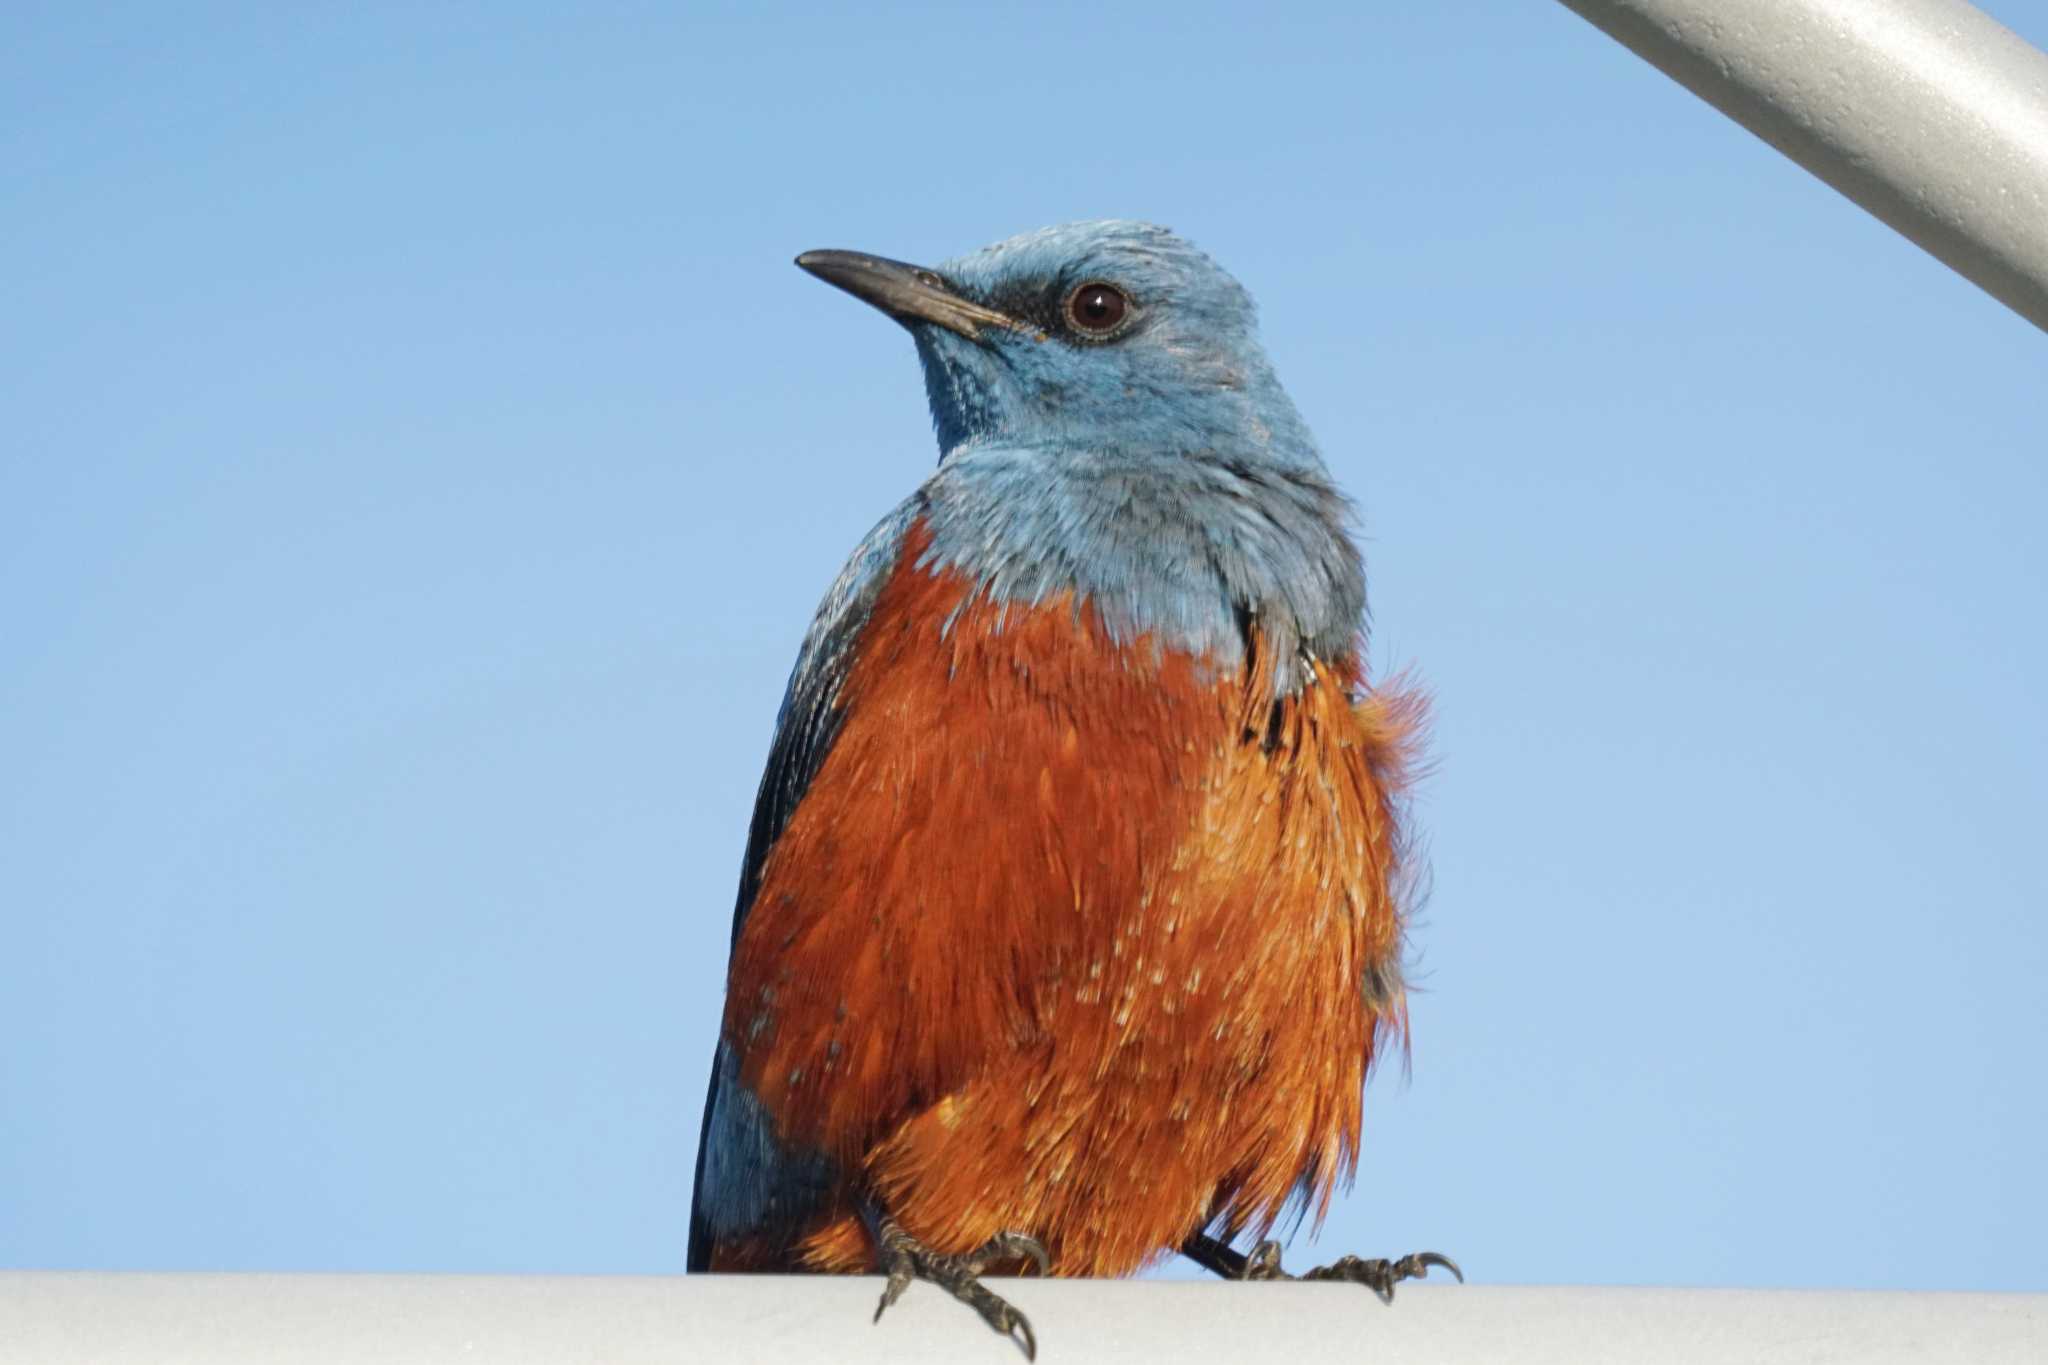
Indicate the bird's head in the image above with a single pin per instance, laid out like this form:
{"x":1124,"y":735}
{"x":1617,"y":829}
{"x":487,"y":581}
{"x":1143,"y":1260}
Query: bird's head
{"x":1084,"y":337}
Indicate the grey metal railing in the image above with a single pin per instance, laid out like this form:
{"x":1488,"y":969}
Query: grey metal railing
{"x":1928,"y":113}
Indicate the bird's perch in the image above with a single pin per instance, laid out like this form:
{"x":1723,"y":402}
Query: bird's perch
{"x":1928,"y":113}
{"x":127,"y":1319}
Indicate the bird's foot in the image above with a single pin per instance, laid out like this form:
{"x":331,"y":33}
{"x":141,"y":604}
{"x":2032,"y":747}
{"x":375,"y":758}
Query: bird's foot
{"x":905,"y":1258}
{"x":1375,"y":1273}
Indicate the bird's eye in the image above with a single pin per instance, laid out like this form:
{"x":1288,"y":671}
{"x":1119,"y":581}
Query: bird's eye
{"x":1097,"y":310}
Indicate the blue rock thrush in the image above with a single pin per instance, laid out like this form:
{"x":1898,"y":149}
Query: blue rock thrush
{"x":1071,"y":918}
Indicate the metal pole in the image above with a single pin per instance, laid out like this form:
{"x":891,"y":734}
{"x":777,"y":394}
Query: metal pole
{"x":88,"y":1318}
{"x":1928,"y":113}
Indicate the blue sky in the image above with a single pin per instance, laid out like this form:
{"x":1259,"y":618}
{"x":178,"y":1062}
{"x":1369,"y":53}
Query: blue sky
{"x":421,"y":461}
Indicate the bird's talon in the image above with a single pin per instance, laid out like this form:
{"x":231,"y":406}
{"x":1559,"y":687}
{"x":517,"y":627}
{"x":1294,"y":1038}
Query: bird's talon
{"x":1423,"y":1260}
{"x":1264,"y":1263}
{"x":900,"y":1272}
{"x":1006,"y":1320}
{"x":906,"y":1259}
{"x":1010,"y":1246}
{"x":1376,"y":1273}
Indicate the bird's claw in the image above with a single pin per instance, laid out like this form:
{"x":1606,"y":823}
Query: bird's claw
{"x":1375,"y":1273}
{"x":906,"y":1259}
{"x":1381,"y":1275}
{"x":1264,"y":1263}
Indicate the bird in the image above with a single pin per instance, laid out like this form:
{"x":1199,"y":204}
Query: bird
{"x":1074,"y":904}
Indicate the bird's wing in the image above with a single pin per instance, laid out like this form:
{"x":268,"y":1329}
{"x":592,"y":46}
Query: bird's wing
{"x":804,"y":730}
{"x":809,"y":718}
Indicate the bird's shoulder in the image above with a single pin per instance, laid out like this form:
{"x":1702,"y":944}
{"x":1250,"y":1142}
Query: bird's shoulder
{"x":1182,"y":547}
{"x":806,"y":722}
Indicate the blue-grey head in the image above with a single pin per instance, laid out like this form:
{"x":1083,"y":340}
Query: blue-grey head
{"x":1083,"y":336}
{"x":1109,"y":424}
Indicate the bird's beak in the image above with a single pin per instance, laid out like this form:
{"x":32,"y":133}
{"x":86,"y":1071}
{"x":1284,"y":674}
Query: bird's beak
{"x":907,"y":293}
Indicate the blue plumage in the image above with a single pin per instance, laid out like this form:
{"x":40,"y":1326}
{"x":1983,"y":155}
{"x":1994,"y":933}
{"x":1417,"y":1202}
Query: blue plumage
{"x":1164,"y":475}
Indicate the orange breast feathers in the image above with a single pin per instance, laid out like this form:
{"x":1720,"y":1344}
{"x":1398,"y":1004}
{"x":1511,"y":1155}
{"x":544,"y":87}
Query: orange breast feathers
{"x":1088,"y":940}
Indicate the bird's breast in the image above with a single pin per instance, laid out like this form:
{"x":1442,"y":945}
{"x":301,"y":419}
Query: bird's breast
{"x":1036,"y":842}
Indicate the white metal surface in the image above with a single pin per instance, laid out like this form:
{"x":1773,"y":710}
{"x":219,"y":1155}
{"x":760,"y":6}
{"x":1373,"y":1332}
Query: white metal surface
{"x":128,"y":1319}
{"x":1928,"y":113}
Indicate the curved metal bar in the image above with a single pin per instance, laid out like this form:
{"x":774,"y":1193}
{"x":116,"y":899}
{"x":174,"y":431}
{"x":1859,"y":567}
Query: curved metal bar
{"x":1928,"y":113}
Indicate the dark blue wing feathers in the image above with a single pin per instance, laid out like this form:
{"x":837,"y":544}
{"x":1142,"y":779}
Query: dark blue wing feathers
{"x":804,"y":730}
